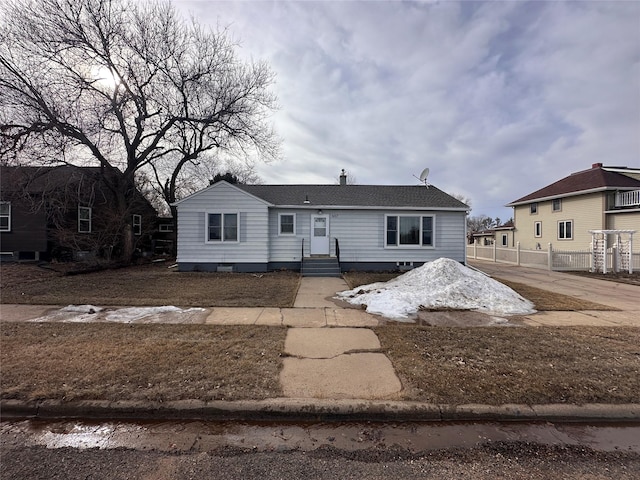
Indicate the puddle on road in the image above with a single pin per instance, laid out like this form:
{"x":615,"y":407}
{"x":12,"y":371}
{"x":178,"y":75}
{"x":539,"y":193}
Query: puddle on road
{"x":195,"y":436}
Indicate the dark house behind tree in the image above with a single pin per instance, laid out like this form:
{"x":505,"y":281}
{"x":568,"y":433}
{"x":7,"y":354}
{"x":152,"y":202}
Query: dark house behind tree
{"x":66,"y":213}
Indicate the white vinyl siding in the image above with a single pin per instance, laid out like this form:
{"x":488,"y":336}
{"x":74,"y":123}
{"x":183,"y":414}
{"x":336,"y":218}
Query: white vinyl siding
{"x":361,"y":233}
{"x":252,"y":243}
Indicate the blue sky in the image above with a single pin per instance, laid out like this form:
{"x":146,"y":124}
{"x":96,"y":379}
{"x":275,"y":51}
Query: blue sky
{"x":498,"y":99}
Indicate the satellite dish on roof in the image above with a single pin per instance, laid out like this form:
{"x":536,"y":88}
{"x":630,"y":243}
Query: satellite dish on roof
{"x":423,"y":177}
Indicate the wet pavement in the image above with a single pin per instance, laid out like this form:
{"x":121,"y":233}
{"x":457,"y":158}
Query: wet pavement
{"x":197,"y":436}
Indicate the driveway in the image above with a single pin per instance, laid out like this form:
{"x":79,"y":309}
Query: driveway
{"x":622,"y":296}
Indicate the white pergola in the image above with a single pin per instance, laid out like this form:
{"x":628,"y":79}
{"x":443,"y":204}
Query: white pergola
{"x":622,"y":250}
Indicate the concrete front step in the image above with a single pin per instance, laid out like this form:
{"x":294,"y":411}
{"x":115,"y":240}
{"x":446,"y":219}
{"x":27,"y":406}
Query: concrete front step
{"x":321,"y":267}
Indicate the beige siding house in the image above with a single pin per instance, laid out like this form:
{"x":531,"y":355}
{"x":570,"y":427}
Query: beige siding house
{"x":501,"y":236}
{"x":563,"y":213}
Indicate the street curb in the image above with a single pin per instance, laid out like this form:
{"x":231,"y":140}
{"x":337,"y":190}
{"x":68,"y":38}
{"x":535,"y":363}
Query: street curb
{"x":314,"y":410}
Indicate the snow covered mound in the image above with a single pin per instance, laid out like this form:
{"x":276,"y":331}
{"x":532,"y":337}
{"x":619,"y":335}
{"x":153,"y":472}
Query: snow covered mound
{"x":443,"y":283}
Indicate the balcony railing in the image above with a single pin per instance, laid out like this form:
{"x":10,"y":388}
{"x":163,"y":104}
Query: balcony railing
{"x":628,"y":199}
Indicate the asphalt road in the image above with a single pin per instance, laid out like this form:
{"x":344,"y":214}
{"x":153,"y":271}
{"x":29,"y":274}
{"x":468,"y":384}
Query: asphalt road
{"x":198,"y":450}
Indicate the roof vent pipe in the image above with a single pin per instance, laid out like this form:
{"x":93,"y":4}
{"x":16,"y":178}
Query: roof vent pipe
{"x":343,"y":178}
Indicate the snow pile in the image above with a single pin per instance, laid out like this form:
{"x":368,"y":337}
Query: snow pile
{"x":443,"y":283}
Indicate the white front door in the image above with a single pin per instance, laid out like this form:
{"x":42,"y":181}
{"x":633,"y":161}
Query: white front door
{"x":319,"y":234}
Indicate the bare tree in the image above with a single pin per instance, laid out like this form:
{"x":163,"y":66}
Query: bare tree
{"x":126,"y":84}
{"x":479,"y":223}
{"x":462,"y":198}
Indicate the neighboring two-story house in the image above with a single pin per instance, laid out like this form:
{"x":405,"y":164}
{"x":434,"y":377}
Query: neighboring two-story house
{"x":66,"y":213}
{"x":563,"y":213}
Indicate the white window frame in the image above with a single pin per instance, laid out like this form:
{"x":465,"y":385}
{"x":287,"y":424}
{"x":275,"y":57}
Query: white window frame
{"x":537,"y":229}
{"x":420,"y":237}
{"x":80,"y":219}
{"x":222,"y":216}
{"x":553,"y":205}
{"x":505,"y":240}
{"x":565,"y":222}
{"x":533,"y":208}
{"x":286,"y":234}
{"x":136,"y":223}
{"x":6,"y":215}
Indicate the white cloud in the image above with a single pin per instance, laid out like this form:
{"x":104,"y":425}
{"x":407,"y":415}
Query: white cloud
{"x":497,"y":98}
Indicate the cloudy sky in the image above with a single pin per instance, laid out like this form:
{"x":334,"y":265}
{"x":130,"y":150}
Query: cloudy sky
{"x":498,"y":99}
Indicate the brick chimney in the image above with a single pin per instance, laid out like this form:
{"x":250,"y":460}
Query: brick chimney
{"x":596,"y":165}
{"x":343,"y":178}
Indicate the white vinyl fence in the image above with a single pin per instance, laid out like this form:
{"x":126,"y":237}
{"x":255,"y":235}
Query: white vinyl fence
{"x":549,"y":259}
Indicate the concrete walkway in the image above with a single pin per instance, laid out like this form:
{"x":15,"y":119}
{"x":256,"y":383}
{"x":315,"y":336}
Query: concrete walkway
{"x":622,"y":296}
{"x":335,"y":363}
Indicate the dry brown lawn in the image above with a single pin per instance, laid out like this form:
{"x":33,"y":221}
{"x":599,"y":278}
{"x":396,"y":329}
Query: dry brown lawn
{"x":162,"y":362}
{"x":515,"y":365}
{"x":102,"y":361}
{"x":435,"y":364}
{"x":147,"y":285}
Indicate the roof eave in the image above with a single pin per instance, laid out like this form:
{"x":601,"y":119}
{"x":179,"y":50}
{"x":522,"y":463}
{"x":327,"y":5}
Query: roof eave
{"x":569,"y":194}
{"x":368,"y":207}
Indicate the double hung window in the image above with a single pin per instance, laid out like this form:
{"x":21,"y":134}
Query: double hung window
{"x":287,"y":224}
{"x":84,"y":219}
{"x":5,"y":216}
{"x":565,"y":230}
{"x":222,"y":227}
{"x":137,"y":224}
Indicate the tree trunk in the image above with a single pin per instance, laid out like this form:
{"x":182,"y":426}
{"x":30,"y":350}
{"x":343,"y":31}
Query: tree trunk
{"x":174,"y":236}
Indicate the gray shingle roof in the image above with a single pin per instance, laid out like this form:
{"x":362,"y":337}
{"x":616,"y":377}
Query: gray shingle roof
{"x":355,"y":196}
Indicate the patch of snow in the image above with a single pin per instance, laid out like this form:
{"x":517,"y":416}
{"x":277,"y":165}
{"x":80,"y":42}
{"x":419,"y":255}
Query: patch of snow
{"x":443,"y":283}
{"x":91,"y":313}
{"x":72,"y":313}
{"x":81,"y":309}
{"x":132,"y":314}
